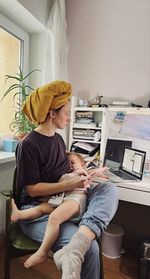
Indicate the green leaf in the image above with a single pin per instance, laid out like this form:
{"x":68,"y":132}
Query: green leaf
{"x":31,"y":73}
{"x":15,"y":95}
{"x":11,"y":77}
{"x":11,"y":88}
{"x":20,"y":123}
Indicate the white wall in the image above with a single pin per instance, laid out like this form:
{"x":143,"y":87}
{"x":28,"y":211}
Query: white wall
{"x":109,"y":49}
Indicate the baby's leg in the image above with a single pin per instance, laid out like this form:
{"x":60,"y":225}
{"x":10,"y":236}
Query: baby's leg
{"x":70,"y":258}
{"x":62,"y":213}
{"x":30,"y":213}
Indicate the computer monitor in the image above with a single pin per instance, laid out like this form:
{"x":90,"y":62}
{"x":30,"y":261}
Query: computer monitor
{"x":114,"y":152}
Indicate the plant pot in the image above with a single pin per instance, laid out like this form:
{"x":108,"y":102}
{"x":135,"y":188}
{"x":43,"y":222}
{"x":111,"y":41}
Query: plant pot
{"x":9,"y":145}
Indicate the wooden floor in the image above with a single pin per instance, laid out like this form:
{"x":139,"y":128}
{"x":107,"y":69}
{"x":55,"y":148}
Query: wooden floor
{"x":123,"y":268}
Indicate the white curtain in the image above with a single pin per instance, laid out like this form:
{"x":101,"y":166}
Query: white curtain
{"x":55,"y":49}
{"x":48,"y":51}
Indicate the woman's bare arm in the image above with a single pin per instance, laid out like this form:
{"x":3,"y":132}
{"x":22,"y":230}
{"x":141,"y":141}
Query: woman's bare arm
{"x":45,"y":189}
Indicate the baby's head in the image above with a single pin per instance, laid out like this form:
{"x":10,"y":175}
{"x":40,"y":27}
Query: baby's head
{"x":76,"y":161}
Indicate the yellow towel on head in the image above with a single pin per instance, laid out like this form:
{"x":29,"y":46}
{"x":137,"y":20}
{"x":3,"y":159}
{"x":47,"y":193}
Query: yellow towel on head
{"x":50,"y":96}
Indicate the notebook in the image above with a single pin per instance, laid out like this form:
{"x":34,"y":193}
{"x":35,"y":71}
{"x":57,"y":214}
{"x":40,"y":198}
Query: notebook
{"x":131,"y":167}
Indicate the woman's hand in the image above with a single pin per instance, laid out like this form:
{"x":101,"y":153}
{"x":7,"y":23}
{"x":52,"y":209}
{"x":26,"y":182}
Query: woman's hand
{"x":80,"y":172}
{"x":80,"y":180}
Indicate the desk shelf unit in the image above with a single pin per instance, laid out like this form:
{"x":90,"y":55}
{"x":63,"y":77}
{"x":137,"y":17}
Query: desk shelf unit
{"x":99,"y":125}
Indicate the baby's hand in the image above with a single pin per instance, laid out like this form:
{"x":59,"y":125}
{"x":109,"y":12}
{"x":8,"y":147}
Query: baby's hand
{"x":102,"y":172}
{"x":89,"y":179}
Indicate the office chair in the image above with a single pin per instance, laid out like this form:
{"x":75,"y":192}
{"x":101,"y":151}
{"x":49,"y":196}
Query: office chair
{"x":17,"y":244}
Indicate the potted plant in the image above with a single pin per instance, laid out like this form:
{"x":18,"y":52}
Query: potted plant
{"x":20,"y":125}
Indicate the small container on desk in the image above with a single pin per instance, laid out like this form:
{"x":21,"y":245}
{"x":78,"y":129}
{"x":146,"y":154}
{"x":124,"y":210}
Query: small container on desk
{"x":9,"y":145}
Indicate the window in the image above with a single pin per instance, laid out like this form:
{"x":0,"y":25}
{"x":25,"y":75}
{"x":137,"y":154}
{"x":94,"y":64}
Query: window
{"x":14,"y":45}
{"x":10,"y":59}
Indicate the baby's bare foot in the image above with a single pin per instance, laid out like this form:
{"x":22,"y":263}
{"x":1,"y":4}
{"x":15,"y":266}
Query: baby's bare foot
{"x":15,"y":214}
{"x":37,"y":258}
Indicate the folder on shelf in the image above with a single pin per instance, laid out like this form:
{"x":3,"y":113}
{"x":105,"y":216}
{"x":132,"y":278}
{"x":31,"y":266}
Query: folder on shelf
{"x":85,"y":148}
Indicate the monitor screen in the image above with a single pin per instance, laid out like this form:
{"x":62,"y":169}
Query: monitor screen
{"x":114,"y":152}
{"x":133,"y":161}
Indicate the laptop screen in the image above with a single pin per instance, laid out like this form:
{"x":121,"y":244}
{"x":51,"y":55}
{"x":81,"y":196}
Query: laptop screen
{"x":133,"y":161}
{"x":114,"y":152}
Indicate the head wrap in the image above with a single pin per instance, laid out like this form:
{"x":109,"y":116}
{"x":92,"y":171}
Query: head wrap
{"x":50,"y":96}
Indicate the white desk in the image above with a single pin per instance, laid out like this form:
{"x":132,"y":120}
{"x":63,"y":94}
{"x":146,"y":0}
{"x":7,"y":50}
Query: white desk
{"x":7,"y":157}
{"x":136,"y":192}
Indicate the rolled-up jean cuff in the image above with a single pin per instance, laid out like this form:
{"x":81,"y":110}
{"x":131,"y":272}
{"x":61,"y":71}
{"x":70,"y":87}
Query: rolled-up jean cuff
{"x":92,"y":226}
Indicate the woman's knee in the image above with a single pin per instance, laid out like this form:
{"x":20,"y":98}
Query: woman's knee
{"x":111,"y":193}
{"x":111,"y":188}
{"x":106,"y":191}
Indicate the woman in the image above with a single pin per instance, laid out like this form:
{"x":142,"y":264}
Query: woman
{"x":41,"y":160}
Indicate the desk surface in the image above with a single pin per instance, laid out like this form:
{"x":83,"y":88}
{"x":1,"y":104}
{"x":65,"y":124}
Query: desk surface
{"x":136,"y":192}
{"x":6,"y":157}
{"x":143,"y":185}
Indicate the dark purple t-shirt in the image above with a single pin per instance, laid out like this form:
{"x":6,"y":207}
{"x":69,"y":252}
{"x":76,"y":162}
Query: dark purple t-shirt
{"x":40,"y":158}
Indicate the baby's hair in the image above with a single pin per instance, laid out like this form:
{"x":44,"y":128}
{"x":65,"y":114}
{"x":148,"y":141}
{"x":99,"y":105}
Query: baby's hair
{"x":78,"y":155}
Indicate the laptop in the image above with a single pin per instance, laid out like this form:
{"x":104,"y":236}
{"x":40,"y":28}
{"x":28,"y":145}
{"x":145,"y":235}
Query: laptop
{"x":131,"y":167}
{"x":114,"y":152}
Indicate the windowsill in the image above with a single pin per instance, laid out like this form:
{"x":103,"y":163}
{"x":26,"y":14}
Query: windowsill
{"x":7,"y":157}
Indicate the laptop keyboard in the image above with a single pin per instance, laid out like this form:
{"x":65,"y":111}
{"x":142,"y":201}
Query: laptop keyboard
{"x":123,"y":175}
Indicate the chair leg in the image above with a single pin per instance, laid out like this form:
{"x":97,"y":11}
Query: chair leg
{"x":101,"y":259}
{"x":101,"y":267}
{"x":7,"y":265}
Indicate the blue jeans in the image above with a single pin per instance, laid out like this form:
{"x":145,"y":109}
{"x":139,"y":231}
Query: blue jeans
{"x":102,"y":203}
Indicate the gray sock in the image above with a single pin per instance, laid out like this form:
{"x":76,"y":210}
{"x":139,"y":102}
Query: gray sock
{"x":79,"y":241}
{"x":70,"y":258}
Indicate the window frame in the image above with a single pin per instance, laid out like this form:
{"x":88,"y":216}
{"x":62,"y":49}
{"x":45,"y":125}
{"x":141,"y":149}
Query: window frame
{"x":13,"y":29}
{"x":9,"y":26}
